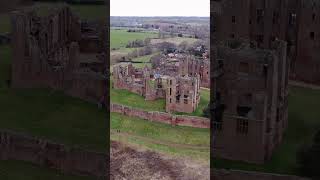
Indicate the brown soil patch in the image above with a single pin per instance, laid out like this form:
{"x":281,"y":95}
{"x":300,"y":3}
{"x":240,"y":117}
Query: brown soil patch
{"x":129,"y":163}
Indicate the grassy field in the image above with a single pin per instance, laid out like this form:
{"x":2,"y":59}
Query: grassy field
{"x":162,"y":132}
{"x":304,"y":121}
{"x":120,"y":38}
{"x":44,"y":113}
{"x":137,"y":101}
{"x":18,"y":170}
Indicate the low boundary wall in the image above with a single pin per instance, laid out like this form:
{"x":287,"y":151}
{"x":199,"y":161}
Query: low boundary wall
{"x":14,"y":146}
{"x":175,"y":120}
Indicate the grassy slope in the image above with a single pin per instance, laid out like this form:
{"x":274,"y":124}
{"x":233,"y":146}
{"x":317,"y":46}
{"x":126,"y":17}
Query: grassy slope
{"x":155,"y":130}
{"x":18,"y":170}
{"x":50,"y":114}
{"x":303,"y":123}
{"x":164,"y":132}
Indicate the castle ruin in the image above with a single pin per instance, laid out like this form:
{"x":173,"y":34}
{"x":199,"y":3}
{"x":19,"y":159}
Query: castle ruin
{"x":182,"y":93}
{"x":53,"y":49}
{"x":263,"y":21}
{"x":251,"y":101}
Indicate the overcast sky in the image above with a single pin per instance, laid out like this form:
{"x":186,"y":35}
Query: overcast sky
{"x":160,"y":8}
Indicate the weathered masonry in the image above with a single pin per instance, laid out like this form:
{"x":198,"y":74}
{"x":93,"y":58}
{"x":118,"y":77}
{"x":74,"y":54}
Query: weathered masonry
{"x":263,"y":21}
{"x":251,"y":88}
{"x":52,"y":48}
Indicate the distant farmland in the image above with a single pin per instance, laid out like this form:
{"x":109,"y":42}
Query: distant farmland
{"x":120,"y":38}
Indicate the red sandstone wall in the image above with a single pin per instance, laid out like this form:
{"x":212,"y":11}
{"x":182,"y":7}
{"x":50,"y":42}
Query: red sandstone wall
{"x":53,"y":155}
{"x":191,"y":121}
{"x":220,"y":174}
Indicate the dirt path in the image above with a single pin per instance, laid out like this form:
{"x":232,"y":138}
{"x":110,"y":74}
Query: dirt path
{"x":304,"y":85}
{"x":161,"y":142}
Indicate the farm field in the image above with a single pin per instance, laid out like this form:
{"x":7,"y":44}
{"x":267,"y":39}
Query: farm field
{"x":120,"y":38}
{"x":175,"y":40}
{"x":19,"y":170}
{"x":303,"y":123}
{"x":50,"y":114}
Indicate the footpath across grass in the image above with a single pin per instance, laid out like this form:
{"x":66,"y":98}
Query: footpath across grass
{"x":19,"y":170}
{"x":303,"y":123}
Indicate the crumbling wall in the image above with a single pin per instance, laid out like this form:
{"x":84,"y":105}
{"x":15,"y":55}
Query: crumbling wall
{"x":45,"y":153}
{"x":162,"y":117}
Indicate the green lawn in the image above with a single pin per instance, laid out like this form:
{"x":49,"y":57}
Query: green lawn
{"x":304,"y":121}
{"x":162,"y":132}
{"x":137,"y":101}
{"x":127,"y":98}
{"x":120,"y":38}
{"x":49,"y":114}
{"x":18,"y":170}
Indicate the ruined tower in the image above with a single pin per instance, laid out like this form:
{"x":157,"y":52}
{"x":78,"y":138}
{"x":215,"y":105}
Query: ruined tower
{"x":251,"y":100}
{"x":263,"y":21}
